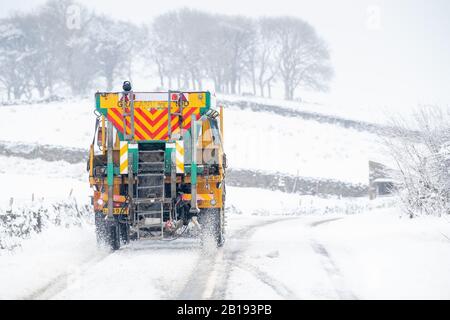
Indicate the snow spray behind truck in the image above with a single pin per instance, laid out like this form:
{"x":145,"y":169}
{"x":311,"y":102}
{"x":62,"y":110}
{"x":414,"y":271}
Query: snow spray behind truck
{"x":156,"y":166}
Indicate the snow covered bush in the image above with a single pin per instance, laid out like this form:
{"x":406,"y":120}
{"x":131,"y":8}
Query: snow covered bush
{"x":423,"y":160}
{"x":20,"y":222}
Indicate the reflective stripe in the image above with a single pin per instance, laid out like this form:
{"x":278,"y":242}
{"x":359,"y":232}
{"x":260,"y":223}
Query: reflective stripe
{"x":116,"y":197}
{"x":200,"y":197}
{"x":179,"y":156}
{"x":123,"y":157}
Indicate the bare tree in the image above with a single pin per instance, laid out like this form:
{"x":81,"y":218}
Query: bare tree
{"x":165,"y":46}
{"x":74,"y":52}
{"x":266,"y":67}
{"x":41,"y":51}
{"x":239,"y":35}
{"x":113,"y":45}
{"x":179,"y":43}
{"x":304,"y":59}
{"x":44,"y":63}
{"x":14,"y":58}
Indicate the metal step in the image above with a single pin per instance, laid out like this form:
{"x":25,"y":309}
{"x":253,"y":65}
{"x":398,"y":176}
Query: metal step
{"x":147,"y":200}
{"x":149,"y":187}
{"x":152,"y":225}
{"x":151,"y":151}
{"x":151,"y":169}
{"x":151,"y":162}
{"x":144,"y":213}
{"x":150,"y":175}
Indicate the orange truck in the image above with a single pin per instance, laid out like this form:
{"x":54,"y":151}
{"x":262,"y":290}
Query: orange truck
{"x":157,"y":166}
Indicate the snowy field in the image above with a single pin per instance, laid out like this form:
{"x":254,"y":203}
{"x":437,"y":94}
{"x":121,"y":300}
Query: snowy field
{"x":375,"y":255}
{"x":290,"y":145}
{"x":253,"y":140}
{"x":45,"y":180}
{"x":362,"y":112}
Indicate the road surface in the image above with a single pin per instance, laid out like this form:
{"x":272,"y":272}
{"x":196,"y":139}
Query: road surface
{"x":273,"y":258}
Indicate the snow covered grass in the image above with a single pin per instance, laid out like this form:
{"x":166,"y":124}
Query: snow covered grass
{"x":53,"y":181}
{"x":290,"y":145}
{"x":261,"y":202}
{"x":68,"y":123}
{"x":362,"y":112}
{"x":24,"y":220}
{"x":384,"y":255}
{"x":56,"y":253}
{"x":379,"y":254}
{"x":253,"y":140}
{"x":38,"y":194}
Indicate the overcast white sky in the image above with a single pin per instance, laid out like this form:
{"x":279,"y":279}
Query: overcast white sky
{"x":386,"y":53}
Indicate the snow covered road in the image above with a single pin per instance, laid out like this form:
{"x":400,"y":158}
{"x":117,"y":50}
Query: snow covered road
{"x":183,"y":269}
{"x":373,"y":255}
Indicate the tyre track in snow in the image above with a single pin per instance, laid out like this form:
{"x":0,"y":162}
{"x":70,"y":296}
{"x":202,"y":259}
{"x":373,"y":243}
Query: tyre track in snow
{"x":277,"y":286}
{"x":62,"y":281}
{"x":330,"y":266}
{"x":212,"y":272}
{"x":233,"y":261}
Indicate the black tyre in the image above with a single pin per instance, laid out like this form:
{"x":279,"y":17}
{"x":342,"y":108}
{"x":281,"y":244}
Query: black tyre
{"x":212,"y":224}
{"x":220,"y":237}
{"x":124,"y":228}
{"x":100,"y":229}
{"x":114,"y":234}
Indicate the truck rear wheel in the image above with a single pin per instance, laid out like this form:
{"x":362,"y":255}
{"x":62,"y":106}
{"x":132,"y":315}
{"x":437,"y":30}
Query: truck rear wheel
{"x":124,"y":228}
{"x":100,"y":229}
{"x":212,"y":223}
{"x":114,"y":234}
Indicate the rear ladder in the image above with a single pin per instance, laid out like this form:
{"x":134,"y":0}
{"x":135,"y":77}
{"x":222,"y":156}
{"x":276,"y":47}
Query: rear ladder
{"x":149,"y":194}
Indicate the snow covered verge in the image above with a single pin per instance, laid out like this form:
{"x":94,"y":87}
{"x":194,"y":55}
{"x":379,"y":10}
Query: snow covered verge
{"x":44,"y":258}
{"x":25,"y":220}
{"x":379,"y":254}
{"x":280,"y":246}
{"x":261,"y":202}
{"x":386,"y":255}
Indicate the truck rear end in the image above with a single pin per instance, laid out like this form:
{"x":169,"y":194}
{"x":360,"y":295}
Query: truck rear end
{"x":157,"y":165}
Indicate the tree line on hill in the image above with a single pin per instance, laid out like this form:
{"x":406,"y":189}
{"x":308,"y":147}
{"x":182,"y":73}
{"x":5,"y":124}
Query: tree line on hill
{"x":63,"y":43}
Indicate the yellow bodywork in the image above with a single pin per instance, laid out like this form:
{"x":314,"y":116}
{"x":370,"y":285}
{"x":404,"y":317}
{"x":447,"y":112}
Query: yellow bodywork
{"x":112,"y":100}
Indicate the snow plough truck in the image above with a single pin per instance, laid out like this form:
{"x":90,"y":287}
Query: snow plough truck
{"x":157,"y":166}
